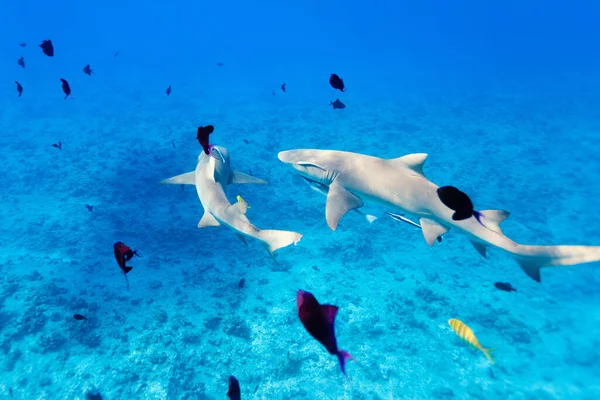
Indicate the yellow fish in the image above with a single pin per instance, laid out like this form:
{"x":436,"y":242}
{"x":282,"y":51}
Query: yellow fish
{"x":465,"y":333}
{"x":239,"y":198}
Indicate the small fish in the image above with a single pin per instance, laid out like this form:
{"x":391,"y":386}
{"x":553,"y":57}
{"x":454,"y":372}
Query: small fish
{"x":283,"y":87}
{"x":19,"y":88}
{"x":168,"y":91}
{"x":57,"y":145}
{"x":202,"y":136}
{"x":90,"y":208}
{"x":173,"y":143}
{"x":492,"y":373}
{"x":459,"y":202}
{"x":123,"y":254}
{"x":336,"y":82}
{"x":220,"y":64}
{"x":402,"y":218}
{"x":47,"y":48}
{"x":23,"y":44}
{"x":88,"y":70}
{"x":234,"y":389}
{"x":465,"y":333}
{"x":319,"y":322}
{"x":245,"y":141}
{"x":337,"y":105}
{"x":239,"y":198}
{"x":93,"y":396}
{"x":505,"y":286}
{"x":10,"y":389}
{"x":66,"y":88}
{"x":273,"y":92}
{"x":116,"y":53}
{"x":21,"y":62}
{"x":241,"y":283}
{"x":79,"y":317}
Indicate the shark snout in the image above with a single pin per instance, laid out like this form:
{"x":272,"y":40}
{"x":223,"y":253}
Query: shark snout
{"x":287,"y":156}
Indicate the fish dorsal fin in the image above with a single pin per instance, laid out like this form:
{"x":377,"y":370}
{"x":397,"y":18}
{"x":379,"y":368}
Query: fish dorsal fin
{"x":309,"y":164}
{"x":431,"y":230}
{"x":339,"y":202}
{"x":189,"y":178}
{"x":412,"y":161}
{"x":208,"y":220}
{"x":240,"y":177}
{"x":493,"y":218}
{"x":329,"y":312}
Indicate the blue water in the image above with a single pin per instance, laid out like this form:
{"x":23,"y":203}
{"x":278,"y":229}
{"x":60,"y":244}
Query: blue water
{"x":503,"y":97}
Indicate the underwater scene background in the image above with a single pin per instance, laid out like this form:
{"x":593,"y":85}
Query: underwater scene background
{"x":503,"y":96}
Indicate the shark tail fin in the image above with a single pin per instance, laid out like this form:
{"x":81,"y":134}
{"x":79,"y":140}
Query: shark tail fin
{"x":533,"y":258}
{"x":275,"y":240}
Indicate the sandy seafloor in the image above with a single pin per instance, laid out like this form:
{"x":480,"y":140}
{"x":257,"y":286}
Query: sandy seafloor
{"x":185,"y":326}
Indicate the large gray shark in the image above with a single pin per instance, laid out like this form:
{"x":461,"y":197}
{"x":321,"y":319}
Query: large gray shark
{"x":400,"y":185}
{"x":213,"y":173}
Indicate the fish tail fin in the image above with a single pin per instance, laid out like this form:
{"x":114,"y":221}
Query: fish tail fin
{"x":533,"y":258}
{"x":275,"y":240}
{"x":370,"y":218}
{"x":127,"y":269}
{"x":344,"y":356}
{"x":488,"y":355}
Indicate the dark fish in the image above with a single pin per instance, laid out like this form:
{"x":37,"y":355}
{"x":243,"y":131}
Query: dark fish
{"x":458,"y":201}
{"x":283,"y":87}
{"x":319,"y":321}
{"x":10,"y":392}
{"x":21,"y":62}
{"x":173,"y":143}
{"x":19,"y":88}
{"x":202,"y":136}
{"x":79,"y":317}
{"x":169,"y":90}
{"x":90,"y":208}
{"x":273,"y":92}
{"x":337,"y":105}
{"x":87,"y":70}
{"x":504,"y":286}
{"x":245,"y":141}
{"x":116,"y":53}
{"x":65,"y":87}
{"x":220,"y":64}
{"x":93,"y":396}
{"x":123,"y":254}
{"x":241,"y":283}
{"x":22,"y":44}
{"x":234,"y":389}
{"x":47,"y":48}
{"x":57,"y":145}
{"x":492,"y":374}
{"x":336,"y":82}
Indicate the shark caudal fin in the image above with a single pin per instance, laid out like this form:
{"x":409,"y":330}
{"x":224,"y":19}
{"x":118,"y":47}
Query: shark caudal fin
{"x":275,"y":240}
{"x":533,"y":258}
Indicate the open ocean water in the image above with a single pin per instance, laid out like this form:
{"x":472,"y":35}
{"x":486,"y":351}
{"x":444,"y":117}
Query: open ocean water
{"x":503,"y":96}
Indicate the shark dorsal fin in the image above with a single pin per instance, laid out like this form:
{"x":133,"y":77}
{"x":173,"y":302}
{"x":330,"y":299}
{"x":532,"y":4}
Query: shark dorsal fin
{"x":412,"y":161}
{"x":309,"y":164}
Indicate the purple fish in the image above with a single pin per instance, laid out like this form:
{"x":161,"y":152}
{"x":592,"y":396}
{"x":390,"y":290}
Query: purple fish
{"x":319,"y":321}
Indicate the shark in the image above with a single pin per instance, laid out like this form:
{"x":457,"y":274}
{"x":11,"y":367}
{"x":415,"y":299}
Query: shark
{"x":212,"y":175}
{"x":400,"y":185}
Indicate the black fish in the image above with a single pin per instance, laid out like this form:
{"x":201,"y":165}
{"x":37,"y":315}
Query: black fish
{"x":241,"y":283}
{"x":65,"y":87}
{"x":169,"y":90}
{"x":245,"y":141}
{"x":283,"y":87}
{"x":93,"y":396}
{"x":21,"y":62}
{"x":58,"y":146}
{"x":319,"y":321}
{"x":234,"y":389}
{"x":504,"y":286}
{"x":202,"y":136}
{"x":90,"y":208}
{"x":19,"y":88}
{"x":79,"y":317}
{"x":10,"y":392}
{"x":87,"y":70}
{"x":337,"y":105}
{"x":173,"y":143}
{"x":458,"y":201}
{"x":47,"y":48}
{"x":22,"y":44}
{"x":336,"y":82}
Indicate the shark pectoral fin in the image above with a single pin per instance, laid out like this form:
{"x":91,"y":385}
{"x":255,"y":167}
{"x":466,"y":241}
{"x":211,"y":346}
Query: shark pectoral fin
{"x":240,"y":177}
{"x":431,"y":230}
{"x":481,"y":249}
{"x":339,"y":202}
{"x":208,"y":220}
{"x":493,"y":218}
{"x":242,"y":238}
{"x":189,"y":178}
{"x":241,"y":207}
{"x":412,"y":161}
